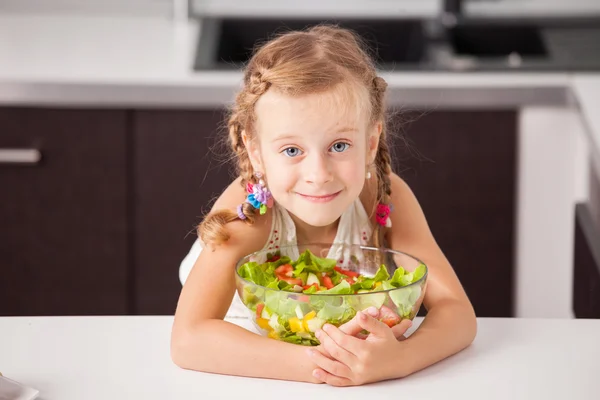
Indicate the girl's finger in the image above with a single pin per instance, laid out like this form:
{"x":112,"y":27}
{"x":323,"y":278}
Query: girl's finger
{"x":400,"y":329}
{"x":352,"y":327}
{"x":331,"y":379}
{"x":332,"y":366}
{"x":335,"y":350}
{"x":350,"y":343}
{"x":375,"y":327}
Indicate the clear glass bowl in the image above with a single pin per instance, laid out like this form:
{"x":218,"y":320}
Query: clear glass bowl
{"x":295,"y":316}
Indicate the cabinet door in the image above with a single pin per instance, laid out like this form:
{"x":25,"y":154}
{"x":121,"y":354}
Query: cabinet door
{"x":461,"y":166}
{"x":177,"y":178}
{"x":586,"y":279}
{"x":63,"y":223}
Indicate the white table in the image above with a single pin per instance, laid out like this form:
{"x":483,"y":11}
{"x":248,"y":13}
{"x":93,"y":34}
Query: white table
{"x":68,"y":358}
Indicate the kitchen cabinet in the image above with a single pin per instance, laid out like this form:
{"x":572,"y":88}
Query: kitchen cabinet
{"x":177,"y":176}
{"x":586,"y":278}
{"x":63,"y":220}
{"x":461,"y":166}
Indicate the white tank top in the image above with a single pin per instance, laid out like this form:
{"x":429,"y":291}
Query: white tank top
{"x":354,"y":227}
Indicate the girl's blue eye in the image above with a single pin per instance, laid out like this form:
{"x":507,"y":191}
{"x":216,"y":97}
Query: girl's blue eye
{"x":292,"y":151}
{"x":340,"y":147}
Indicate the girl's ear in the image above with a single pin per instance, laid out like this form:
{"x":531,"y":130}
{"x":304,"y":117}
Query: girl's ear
{"x":373,"y":141}
{"x":253,"y":152}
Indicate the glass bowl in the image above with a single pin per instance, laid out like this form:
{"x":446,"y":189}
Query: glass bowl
{"x":283,"y":306}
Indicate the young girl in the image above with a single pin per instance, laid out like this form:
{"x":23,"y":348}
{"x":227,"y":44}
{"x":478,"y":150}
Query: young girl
{"x":308,"y":130}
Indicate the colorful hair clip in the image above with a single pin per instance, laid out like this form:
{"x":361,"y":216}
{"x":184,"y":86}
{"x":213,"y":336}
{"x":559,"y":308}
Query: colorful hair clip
{"x":240,"y":212}
{"x":258,"y":196}
{"x":383,"y":215}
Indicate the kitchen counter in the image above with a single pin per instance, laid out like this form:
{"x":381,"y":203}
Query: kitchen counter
{"x":90,"y":358}
{"x":147,"y":62}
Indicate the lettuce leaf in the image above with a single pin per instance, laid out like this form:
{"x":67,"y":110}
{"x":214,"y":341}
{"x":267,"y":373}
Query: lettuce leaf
{"x":336,"y":315}
{"x":382,"y":274}
{"x":308,"y":262}
{"x":341,"y":288}
{"x":283,"y":304}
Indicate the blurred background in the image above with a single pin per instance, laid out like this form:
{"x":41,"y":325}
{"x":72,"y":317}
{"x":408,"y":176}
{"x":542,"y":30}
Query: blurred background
{"x":110,"y":113}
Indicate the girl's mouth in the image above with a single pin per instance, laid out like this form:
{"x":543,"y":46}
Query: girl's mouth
{"x":320,"y":199}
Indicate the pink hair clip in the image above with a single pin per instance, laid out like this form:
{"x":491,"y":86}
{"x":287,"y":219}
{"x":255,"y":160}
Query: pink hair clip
{"x":383,"y":215}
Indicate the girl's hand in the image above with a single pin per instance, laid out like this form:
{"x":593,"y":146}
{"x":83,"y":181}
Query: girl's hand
{"x":353,"y":327}
{"x":353,"y":361}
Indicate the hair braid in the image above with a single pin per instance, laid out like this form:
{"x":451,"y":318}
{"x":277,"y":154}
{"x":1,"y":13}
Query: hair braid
{"x":383,"y":161}
{"x":213,"y":228}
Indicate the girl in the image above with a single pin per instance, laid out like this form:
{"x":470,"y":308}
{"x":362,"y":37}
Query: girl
{"x":307,"y":129}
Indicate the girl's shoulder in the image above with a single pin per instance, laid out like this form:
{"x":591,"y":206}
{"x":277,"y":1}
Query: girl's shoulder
{"x":251,"y":237}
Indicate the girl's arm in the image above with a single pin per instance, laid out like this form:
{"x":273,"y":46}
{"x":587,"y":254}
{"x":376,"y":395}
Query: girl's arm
{"x":450,"y":324}
{"x":449,"y":327}
{"x":202,"y":341}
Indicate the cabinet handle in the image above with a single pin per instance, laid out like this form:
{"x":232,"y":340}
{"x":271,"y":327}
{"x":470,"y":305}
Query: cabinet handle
{"x":20,"y":156}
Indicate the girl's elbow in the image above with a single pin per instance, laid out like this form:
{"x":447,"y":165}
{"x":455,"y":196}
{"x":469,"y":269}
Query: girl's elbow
{"x":188,"y":348}
{"x":179,"y":346}
{"x":471,"y":327}
{"x":183,"y":346}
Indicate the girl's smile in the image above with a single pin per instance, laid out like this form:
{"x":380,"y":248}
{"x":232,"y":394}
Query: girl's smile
{"x":320,"y":199}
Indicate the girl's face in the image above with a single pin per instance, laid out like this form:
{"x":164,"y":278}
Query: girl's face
{"x":314,"y":151}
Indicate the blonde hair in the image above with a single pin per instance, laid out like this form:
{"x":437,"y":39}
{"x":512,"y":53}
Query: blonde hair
{"x":295,"y":63}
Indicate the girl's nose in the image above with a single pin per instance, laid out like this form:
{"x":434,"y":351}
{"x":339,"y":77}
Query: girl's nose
{"x":318,"y":170}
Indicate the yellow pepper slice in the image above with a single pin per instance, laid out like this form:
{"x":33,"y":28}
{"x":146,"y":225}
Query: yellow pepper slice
{"x":264,"y":323}
{"x":307,"y":318}
{"x":296,"y":325}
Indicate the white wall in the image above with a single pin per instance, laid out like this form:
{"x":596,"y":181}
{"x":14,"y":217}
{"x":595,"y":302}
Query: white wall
{"x":553,"y":165}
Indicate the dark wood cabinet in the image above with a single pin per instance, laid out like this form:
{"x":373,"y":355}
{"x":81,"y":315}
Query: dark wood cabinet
{"x":462,"y":167}
{"x":63,"y":220}
{"x":178,"y":172}
{"x":586,"y":278}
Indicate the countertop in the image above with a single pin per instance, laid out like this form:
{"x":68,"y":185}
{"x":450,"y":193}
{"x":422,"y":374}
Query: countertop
{"x":90,"y":358}
{"x":145,"y":62}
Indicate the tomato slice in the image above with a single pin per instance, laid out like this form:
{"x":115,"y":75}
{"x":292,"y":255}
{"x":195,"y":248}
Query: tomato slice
{"x":284,"y":269}
{"x":327,"y":282}
{"x":346,"y":272}
{"x":388,"y":316}
{"x":274,"y":258}
{"x":259,"y":309}
{"x":309,"y":286}
{"x":291,"y":281}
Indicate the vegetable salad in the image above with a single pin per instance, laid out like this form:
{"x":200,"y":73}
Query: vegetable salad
{"x":295,"y":298}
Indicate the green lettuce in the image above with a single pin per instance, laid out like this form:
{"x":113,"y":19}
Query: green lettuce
{"x":336,"y":315}
{"x":283,"y":304}
{"x":382,"y":274}
{"x":308,"y":262}
{"x":404,"y":299}
{"x":341,"y":288}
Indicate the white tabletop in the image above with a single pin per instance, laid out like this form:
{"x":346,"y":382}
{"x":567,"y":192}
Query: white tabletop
{"x":91,"y":358}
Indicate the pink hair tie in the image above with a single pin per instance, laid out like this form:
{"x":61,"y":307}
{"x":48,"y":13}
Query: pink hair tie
{"x":383,"y":215}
